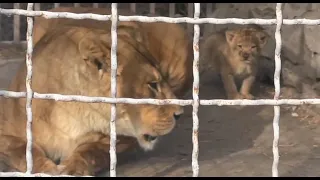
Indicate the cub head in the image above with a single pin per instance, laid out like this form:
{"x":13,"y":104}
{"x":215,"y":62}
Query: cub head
{"x":246,"y":43}
{"x":137,"y":77}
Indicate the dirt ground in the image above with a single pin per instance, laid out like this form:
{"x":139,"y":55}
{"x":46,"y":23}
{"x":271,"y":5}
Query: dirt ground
{"x":234,"y":141}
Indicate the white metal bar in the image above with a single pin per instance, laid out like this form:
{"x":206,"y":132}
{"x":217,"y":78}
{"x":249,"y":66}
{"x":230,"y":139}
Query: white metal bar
{"x":276,"y":118}
{"x":114,"y":64}
{"x":195,"y":94}
{"x":50,"y":15}
{"x":16,"y":24}
{"x":216,"y":102}
{"x":29,"y":91}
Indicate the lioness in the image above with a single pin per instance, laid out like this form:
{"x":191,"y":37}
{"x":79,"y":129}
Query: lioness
{"x":234,"y":54}
{"x":75,"y":60}
{"x":168,"y":43}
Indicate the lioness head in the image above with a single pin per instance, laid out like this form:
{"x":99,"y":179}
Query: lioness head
{"x":246,"y":43}
{"x":137,"y":77}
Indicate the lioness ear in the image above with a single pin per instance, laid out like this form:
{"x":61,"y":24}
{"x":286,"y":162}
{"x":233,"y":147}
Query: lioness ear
{"x":95,"y":51}
{"x":105,"y":41}
{"x":262,"y":37}
{"x":92,"y":53}
{"x":229,"y":36}
{"x":131,"y":30}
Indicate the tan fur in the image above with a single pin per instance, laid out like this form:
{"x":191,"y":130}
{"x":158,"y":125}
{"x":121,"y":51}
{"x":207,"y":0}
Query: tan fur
{"x":68,"y":61}
{"x":168,"y":43}
{"x":234,"y":54}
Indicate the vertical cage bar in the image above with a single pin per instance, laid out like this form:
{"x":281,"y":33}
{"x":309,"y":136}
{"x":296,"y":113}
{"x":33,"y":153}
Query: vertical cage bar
{"x":114,"y":64}
{"x":190,"y":12}
{"x":208,"y":13}
{"x":37,"y":6}
{"x":195,"y":94}
{"x":16,"y":24}
{"x":133,"y":7}
{"x":172,"y":10}
{"x":29,"y":91}
{"x":95,"y":5}
{"x":277,"y":70}
{"x":56,"y":5}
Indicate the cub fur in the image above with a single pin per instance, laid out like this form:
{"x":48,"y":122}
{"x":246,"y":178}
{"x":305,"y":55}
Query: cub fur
{"x":169,"y":43}
{"x":234,"y":54}
{"x":76,"y":61}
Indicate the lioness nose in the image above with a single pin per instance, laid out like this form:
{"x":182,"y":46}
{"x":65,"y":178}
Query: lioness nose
{"x":245,"y":55}
{"x":177,"y":115}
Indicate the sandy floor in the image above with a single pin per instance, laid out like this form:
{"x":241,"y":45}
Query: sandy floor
{"x":234,"y":141}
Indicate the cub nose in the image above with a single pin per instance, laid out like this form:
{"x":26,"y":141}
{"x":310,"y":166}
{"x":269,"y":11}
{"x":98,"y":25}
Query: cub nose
{"x":245,"y":55}
{"x":178,"y":114}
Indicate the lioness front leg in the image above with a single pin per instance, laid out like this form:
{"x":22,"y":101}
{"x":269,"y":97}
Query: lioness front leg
{"x":246,"y":87}
{"x":90,"y":158}
{"x":230,"y":86}
{"x":13,"y":157}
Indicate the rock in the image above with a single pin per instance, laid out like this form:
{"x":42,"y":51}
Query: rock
{"x":294,"y":114}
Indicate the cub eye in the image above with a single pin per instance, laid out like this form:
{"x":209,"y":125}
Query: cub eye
{"x":252,"y":47}
{"x":239,"y":45}
{"x":153,"y":85}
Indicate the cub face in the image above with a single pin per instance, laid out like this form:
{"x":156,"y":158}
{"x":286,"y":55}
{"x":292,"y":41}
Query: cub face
{"x":246,"y":44}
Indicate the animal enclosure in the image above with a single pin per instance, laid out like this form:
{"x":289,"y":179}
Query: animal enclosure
{"x":196,"y":20}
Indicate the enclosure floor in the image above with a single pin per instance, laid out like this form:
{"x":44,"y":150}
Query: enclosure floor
{"x":234,"y":141}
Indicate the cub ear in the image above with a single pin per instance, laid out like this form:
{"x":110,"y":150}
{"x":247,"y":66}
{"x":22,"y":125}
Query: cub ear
{"x":262,"y":38}
{"x":229,"y":36}
{"x":94,"y":49}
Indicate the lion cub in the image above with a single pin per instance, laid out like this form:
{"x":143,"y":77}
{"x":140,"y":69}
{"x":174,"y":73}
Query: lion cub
{"x":234,"y":55}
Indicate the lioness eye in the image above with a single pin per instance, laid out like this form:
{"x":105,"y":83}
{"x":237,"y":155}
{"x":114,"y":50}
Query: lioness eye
{"x":253,"y":47}
{"x":153,"y":85}
{"x":239,"y":45}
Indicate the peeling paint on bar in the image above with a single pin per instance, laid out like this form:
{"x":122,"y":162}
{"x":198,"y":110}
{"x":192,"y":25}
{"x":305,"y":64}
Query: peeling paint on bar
{"x":209,"y":102}
{"x":50,"y":15}
{"x":113,"y":134}
{"x":195,"y":94}
{"x":29,"y":158}
{"x":277,"y":70}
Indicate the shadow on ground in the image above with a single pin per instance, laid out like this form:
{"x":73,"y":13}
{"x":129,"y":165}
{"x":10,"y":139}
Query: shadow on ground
{"x":223,"y":131}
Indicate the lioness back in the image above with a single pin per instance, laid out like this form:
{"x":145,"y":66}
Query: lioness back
{"x":234,"y":54}
{"x":76,"y":61}
{"x":168,"y":43}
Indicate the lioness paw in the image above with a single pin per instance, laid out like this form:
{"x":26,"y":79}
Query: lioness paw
{"x":236,"y":96}
{"x":248,"y":96}
{"x":75,"y":167}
